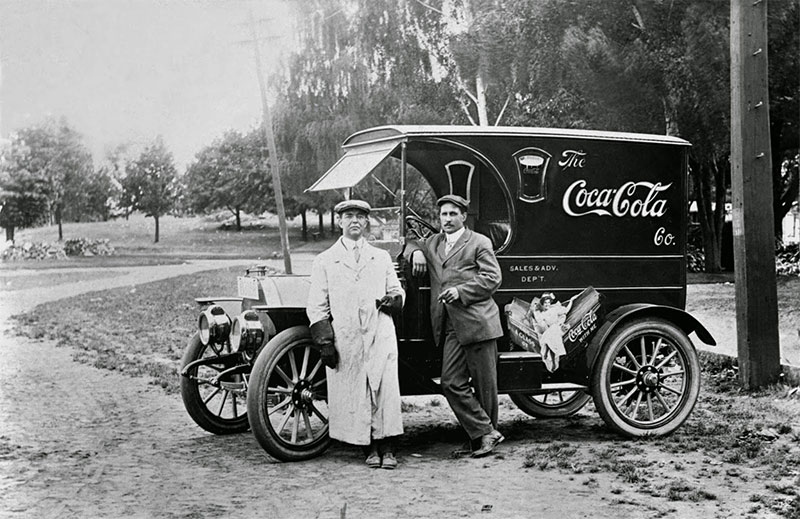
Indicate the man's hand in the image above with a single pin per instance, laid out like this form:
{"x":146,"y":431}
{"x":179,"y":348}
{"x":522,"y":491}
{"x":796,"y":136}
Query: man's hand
{"x":390,"y":304}
{"x":419,"y":265}
{"x":449,"y":296}
{"x":322,"y":335}
{"x":329,"y":356}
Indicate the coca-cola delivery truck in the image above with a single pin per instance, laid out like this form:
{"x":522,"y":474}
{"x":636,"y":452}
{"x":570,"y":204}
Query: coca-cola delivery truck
{"x":589,"y":229}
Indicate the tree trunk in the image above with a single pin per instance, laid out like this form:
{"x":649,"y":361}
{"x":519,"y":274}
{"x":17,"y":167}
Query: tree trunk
{"x":775,"y":131}
{"x":333,"y":222}
{"x":321,"y":224}
{"x":480,"y":94}
{"x":710,"y":217}
{"x":156,"y":219}
{"x":10,"y":233}
{"x":58,"y":221}
{"x":238,"y":213}
{"x":305,"y":224}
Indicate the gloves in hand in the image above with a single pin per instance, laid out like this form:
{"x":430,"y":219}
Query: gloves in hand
{"x":323,"y":337}
{"x":329,"y":356}
{"x":390,"y":304}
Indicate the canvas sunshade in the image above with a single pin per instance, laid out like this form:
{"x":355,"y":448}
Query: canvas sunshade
{"x":356,"y":164}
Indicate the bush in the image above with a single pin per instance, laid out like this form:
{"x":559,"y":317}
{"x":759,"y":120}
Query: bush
{"x":787,"y":260}
{"x":695,"y":259}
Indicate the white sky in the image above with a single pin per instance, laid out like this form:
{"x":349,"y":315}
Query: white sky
{"x":129,"y":70}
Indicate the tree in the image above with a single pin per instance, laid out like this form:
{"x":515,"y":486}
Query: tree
{"x":151,"y":182}
{"x":23,"y":195}
{"x":784,"y":93}
{"x":56,"y":154}
{"x":232,"y":173}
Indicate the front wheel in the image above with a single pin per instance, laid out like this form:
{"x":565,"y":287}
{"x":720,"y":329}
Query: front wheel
{"x":646,"y":379}
{"x":287,"y":398}
{"x":219,"y":407}
{"x":552,"y":404}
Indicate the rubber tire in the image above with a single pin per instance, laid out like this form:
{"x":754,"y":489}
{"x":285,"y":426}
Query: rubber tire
{"x":533,"y":407}
{"x":270,"y":441}
{"x":193,"y":400}
{"x":601,"y":390}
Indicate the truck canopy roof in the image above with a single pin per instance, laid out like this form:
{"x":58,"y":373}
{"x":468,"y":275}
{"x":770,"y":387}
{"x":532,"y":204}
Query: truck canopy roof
{"x":382,"y":133}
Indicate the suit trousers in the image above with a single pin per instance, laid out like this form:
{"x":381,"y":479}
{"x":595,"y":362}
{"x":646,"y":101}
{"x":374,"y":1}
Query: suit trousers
{"x":476,"y":411}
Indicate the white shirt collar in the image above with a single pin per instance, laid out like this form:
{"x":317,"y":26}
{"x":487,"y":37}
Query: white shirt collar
{"x":453,"y":237}
{"x":351,"y":244}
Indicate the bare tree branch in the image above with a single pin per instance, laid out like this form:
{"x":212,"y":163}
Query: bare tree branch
{"x":466,"y":111}
{"x":502,"y":111}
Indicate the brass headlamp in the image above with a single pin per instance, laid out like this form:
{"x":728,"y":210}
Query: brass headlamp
{"x":214,"y":325}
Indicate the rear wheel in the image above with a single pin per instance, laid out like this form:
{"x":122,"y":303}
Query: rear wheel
{"x":646,"y":379}
{"x":221,"y":408}
{"x":287,"y":399}
{"x":553,"y":404}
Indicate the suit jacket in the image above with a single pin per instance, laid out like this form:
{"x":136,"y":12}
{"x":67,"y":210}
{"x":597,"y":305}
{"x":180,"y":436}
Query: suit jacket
{"x":472,"y":268}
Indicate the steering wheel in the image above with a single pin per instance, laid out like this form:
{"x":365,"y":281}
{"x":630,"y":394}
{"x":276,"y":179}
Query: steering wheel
{"x":421,"y":228}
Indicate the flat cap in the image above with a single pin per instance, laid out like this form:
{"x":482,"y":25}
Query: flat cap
{"x":456,"y":200}
{"x":359,"y":205}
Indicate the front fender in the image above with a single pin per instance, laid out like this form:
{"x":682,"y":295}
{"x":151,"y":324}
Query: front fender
{"x":625,"y":313}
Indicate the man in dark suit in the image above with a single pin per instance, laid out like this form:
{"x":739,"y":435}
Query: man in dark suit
{"x":466,"y":321}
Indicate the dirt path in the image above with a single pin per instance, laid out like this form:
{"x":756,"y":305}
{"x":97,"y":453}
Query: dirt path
{"x":79,"y":442}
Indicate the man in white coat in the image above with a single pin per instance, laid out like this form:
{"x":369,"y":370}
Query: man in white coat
{"x":354,"y":292}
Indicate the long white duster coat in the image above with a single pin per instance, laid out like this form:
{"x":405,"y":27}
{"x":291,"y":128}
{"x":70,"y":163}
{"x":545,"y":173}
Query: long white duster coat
{"x":363,"y":390}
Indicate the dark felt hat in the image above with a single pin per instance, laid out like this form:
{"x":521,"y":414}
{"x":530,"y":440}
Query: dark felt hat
{"x":456,"y":200}
{"x":359,"y":205}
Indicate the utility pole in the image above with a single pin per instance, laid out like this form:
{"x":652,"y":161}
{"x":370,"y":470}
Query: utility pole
{"x":751,"y":179}
{"x":266,"y":125}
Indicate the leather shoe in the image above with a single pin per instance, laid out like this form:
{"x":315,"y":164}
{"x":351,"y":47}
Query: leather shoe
{"x":488,"y":443}
{"x":374,"y":459}
{"x":389,"y":461}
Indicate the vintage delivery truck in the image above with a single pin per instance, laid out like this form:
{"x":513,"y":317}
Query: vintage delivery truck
{"x":597,"y":219}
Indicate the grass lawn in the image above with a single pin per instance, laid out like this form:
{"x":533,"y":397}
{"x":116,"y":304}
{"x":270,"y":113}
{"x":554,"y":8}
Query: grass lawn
{"x":180,"y":239}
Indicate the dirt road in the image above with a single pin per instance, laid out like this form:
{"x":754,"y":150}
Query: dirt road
{"x":80,"y":442}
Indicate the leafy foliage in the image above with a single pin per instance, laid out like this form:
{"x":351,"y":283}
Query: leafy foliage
{"x":232,"y":173}
{"x":151,"y":182}
{"x":23,"y":195}
{"x":53,"y":153}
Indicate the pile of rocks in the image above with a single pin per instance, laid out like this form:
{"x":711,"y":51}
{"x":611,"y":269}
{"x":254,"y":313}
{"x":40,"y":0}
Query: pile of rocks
{"x":57,"y":251}
{"x":87,"y":247}
{"x":34,"y":251}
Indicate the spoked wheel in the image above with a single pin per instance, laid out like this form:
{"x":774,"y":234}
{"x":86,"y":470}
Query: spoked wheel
{"x":287,"y":401}
{"x":552,"y":404}
{"x":220,"y":408}
{"x":646,"y":379}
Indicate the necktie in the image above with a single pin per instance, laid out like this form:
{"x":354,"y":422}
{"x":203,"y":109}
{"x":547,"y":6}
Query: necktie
{"x":448,"y":246}
{"x":356,"y":253}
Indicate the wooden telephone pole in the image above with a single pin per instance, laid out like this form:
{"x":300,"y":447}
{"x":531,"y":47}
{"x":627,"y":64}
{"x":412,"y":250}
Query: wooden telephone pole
{"x":751,"y":179}
{"x":266,"y":125}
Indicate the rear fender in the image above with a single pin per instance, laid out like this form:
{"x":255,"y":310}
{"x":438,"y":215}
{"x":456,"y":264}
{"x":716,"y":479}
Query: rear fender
{"x":625,"y":313}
